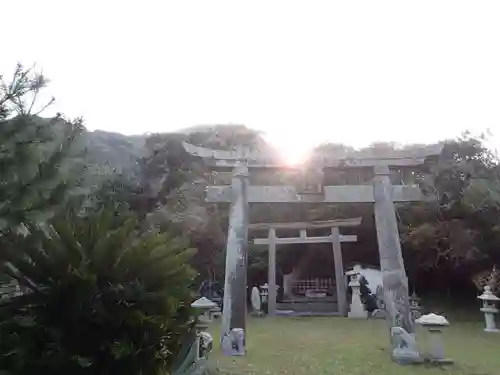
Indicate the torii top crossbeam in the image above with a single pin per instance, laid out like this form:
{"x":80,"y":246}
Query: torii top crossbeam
{"x":227,"y":159}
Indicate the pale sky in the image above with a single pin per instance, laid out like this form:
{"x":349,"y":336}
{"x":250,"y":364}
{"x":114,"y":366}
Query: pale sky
{"x":304,"y":72}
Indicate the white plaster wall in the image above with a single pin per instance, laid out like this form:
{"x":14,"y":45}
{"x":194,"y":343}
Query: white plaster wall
{"x":372,"y":275}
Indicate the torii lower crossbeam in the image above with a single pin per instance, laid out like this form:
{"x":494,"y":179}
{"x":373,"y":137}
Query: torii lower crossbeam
{"x":305,"y":240}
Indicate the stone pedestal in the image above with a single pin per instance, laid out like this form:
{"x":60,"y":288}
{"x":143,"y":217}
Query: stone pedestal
{"x":435,"y":324}
{"x":356,"y":308}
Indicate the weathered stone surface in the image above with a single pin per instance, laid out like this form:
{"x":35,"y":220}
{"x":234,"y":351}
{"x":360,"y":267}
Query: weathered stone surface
{"x":404,"y":350}
{"x":435,"y":324}
{"x":271,"y":301}
{"x":332,"y":194}
{"x":394,"y":279}
{"x":233,"y":342}
{"x":339,"y":270}
{"x":351,"y":222}
{"x":306,"y":240}
{"x":235,"y":308}
{"x":231,"y":158}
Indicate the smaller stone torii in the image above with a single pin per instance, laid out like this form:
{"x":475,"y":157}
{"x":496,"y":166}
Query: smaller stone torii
{"x":381,"y":193}
{"x":334,"y":238}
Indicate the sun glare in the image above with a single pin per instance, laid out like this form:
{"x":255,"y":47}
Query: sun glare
{"x":291,"y":153}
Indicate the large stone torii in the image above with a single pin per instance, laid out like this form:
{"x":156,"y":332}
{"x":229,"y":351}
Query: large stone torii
{"x":382,"y":194}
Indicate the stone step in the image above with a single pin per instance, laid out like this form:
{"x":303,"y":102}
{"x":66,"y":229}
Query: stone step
{"x":291,"y":313}
{"x":309,"y":306}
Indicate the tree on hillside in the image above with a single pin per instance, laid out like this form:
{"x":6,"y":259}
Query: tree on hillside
{"x":32,"y":153}
{"x":459,"y":231}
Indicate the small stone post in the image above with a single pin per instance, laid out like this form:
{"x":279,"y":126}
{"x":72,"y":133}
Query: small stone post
{"x":203,"y":338}
{"x":489,"y":309}
{"x":356,"y":309}
{"x":235,"y":290}
{"x":435,"y":324}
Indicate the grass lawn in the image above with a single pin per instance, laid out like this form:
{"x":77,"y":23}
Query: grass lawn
{"x":336,"y":346}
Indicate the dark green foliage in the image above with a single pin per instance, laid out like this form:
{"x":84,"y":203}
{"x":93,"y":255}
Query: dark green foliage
{"x":100,"y":298}
{"x":457,"y":228}
{"x":33,"y":177}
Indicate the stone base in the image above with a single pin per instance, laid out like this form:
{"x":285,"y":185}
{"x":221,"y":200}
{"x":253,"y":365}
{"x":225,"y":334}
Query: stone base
{"x":378,"y":314}
{"x":440,"y":361}
{"x":404,"y":347}
{"x":258,"y":314}
{"x":357,"y":314}
{"x":406,"y":356}
{"x":233,"y":343}
{"x":492,"y":330}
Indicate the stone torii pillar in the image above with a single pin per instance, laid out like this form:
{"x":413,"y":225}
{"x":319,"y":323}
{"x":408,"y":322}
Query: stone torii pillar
{"x":394,"y":279}
{"x":235,"y":288}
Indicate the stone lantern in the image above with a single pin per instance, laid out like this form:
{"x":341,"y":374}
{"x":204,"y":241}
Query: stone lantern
{"x":489,"y":309}
{"x":435,"y":324}
{"x":357,"y":309}
{"x":203,"y":338}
